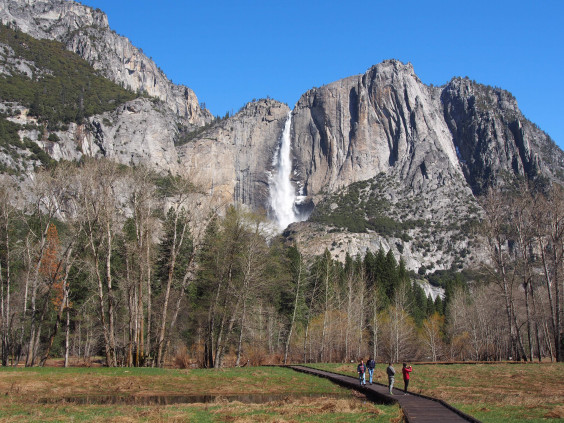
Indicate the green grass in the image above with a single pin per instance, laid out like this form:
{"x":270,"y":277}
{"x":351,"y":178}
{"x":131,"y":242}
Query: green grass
{"x":272,"y":412}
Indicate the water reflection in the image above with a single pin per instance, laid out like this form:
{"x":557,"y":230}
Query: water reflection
{"x":183,"y":399}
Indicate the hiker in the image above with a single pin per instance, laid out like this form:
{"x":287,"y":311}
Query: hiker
{"x":406,"y":371}
{"x":391,"y":373}
{"x":361,"y":370}
{"x":370,"y":364}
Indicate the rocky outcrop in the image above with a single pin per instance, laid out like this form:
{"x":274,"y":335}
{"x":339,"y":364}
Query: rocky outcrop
{"x":85,"y":31}
{"x":141,"y":131}
{"x":438,"y":148}
{"x":232,"y":158}
{"x":386,"y":119}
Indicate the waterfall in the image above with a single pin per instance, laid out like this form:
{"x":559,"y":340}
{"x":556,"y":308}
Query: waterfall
{"x":283,"y":197}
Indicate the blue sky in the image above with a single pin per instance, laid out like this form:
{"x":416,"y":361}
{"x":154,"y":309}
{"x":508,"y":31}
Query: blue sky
{"x":230,"y":52}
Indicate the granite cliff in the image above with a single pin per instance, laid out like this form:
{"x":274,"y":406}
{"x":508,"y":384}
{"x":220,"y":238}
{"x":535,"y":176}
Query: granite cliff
{"x":387,"y":120}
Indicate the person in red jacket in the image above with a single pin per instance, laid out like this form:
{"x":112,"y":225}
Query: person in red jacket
{"x":406,"y":370}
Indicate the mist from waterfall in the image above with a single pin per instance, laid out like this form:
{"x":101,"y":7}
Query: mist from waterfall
{"x":283,"y":196}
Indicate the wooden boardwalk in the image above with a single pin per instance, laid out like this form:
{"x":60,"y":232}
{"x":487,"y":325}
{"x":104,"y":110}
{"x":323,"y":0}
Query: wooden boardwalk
{"x":416,"y":408}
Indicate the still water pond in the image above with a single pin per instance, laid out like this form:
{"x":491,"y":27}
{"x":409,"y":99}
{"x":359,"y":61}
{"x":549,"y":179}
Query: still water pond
{"x":183,"y":399}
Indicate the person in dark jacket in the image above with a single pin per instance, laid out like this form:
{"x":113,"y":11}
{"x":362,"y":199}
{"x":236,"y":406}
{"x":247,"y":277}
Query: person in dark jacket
{"x":361,"y":370}
{"x":391,"y":376}
{"x":370,"y":364}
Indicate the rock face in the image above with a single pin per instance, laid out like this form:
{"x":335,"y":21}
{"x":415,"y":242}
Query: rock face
{"x":138,"y":132}
{"x":388,"y":121}
{"x":85,"y":31}
{"x":491,"y":136}
{"x":234,"y":157}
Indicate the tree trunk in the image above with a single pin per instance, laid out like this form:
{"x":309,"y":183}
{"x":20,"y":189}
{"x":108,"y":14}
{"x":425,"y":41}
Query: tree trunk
{"x":172,"y":267}
{"x":102,"y":308}
{"x":111,"y":300}
{"x":6,"y":300}
{"x":240,"y":343}
{"x":360,"y":319}
{"x":326,"y":310}
{"x":549,"y":283}
{"x":349,"y":316}
{"x":61,"y":309}
{"x":149,"y":298}
{"x":67,"y":333}
{"x":186,"y":282}
{"x":229,"y":330}
{"x":294,"y":311}
{"x":32,"y":347}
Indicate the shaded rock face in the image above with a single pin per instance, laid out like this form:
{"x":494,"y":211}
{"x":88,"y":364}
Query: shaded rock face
{"x":492,"y":137}
{"x":85,"y":31}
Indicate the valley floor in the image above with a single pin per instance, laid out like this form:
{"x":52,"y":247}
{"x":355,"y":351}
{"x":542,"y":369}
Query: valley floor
{"x":492,"y":392}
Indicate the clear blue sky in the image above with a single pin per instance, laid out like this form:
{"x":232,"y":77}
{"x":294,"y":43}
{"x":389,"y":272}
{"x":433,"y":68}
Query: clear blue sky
{"x":230,"y":52}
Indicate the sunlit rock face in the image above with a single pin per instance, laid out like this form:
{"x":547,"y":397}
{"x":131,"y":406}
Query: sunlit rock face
{"x":234,"y":156}
{"x":355,"y":128}
{"x":427,"y":153}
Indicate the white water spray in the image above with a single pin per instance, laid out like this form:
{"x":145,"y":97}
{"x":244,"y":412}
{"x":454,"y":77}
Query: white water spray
{"x":282,"y":192}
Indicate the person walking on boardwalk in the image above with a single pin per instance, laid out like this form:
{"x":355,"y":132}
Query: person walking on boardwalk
{"x":361,"y":370}
{"x":391,"y":375}
{"x":370,"y":364}
{"x":406,"y":370}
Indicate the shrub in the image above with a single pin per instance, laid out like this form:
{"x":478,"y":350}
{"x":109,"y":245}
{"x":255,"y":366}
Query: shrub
{"x":182,"y":359}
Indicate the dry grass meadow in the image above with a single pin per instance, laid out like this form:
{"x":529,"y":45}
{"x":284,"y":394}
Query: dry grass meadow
{"x":491,"y":392}
{"x":49,"y":394}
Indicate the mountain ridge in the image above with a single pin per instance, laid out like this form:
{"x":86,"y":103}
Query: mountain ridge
{"x":86,"y":32}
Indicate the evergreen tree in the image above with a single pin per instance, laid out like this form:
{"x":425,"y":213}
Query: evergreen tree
{"x":370,"y":269}
{"x":418,"y":303}
{"x":390,"y":278}
{"x":439,"y":306}
{"x":430,"y":305}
